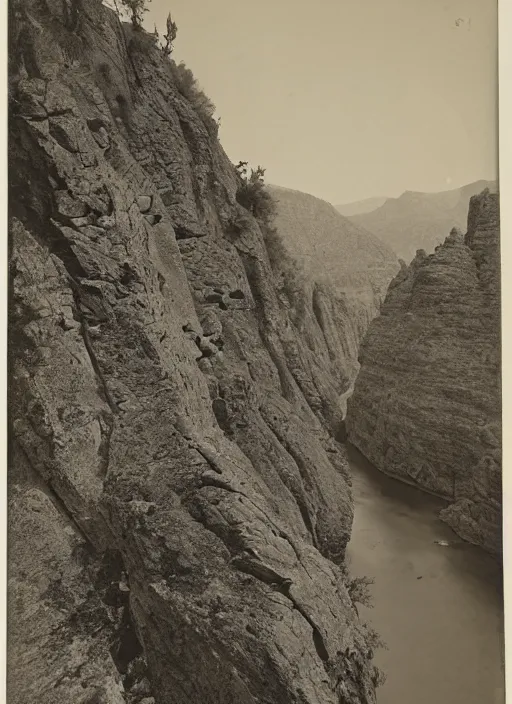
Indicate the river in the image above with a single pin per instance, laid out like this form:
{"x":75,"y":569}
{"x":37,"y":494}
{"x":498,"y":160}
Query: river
{"x":438,"y":608}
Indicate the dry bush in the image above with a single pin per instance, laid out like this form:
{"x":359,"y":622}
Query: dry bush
{"x":172,"y":31}
{"x":289,"y":275}
{"x":142,"y":42}
{"x":135,"y":9}
{"x":105,"y":72}
{"x":378,"y":677}
{"x":373,"y":640}
{"x":189,"y":88}
{"x":358,"y":589}
{"x":253,"y":195}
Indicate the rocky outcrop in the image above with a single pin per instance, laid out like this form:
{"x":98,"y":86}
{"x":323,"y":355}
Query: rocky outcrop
{"x":426,"y":404}
{"x":179,"y":512}
{"x":418,"y":220}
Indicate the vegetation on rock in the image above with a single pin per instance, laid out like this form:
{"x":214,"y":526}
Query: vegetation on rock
{"x":255,"y":197}
{"x":136,"y":10}
{"x":172,"y":31}
{"x":253,"y":194}
{"x":359,"y":591}
{"x":188,"y":86}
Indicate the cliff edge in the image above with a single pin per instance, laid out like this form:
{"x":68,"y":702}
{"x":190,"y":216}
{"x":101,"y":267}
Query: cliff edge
{"x":178,"y":510}
{"x":426,"y":407}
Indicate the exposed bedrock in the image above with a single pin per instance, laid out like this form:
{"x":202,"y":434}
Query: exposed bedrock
{"x":179,"y":512}
{"x":426,"y":406}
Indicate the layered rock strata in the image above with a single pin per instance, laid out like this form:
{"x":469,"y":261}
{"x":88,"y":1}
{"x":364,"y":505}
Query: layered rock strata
{"x":426,"y":405}
{"x":178,"y":510}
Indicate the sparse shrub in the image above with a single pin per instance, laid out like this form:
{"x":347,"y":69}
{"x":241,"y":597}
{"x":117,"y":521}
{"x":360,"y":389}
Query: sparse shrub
{"x":136,"y":10}
{"x":358,"y":589}
{"x":212,"y":126}
{"x":123,"y":109}
{"x":184,"y":78}
{"x":253,"y":195}
{"x":189,"y":88}
{"x":378,"y":677}
{"x":105,"y":72}
{"x":172,"y":31}
{"x":373,"y":640}
{"x":289,"y":274}
{"x":142,"y":42}
{"x":275,"y":246}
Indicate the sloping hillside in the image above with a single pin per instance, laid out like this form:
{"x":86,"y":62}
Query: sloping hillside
{"x":360,"y":206}
{"x":347,"y":272}
{"x":332,"y":247}
{"x":420,"y":220}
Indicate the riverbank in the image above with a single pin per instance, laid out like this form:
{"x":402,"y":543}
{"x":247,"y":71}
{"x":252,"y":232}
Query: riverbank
{"x":438,"y":607}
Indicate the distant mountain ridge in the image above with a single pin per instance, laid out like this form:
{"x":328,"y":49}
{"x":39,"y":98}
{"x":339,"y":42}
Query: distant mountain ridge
{"x":331,"y":245}
{"x":347,"y":273}
{"x":417,"y":220}
{"x":360,"y":206}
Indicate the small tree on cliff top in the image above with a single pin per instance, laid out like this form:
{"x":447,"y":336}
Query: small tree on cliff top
{"x":253,"y":195}
{"x":136,"y":8}
{"x":172,"y":31}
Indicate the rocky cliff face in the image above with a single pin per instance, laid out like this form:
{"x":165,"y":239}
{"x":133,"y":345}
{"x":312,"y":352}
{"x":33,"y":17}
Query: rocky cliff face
{"x":420,"y":220}
{"x":178,"y":510}
{"x":426,"y":404}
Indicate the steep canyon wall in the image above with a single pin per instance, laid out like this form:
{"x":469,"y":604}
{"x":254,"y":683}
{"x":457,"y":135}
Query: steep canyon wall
{"x":426,"y":406}
{"x":178,"y":510}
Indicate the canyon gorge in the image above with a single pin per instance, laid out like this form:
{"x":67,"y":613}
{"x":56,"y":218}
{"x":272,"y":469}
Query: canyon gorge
{"x":180,"y":505}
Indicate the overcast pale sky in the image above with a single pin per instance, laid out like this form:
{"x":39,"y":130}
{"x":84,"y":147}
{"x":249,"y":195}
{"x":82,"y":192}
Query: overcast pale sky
{"x":348,"y":99}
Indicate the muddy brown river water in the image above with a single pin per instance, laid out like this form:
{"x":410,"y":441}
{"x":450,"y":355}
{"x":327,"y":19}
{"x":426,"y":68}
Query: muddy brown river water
{"x":438,"y":608}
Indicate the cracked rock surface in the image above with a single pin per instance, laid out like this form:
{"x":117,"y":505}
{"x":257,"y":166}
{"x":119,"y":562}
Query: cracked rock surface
{"x":179,"y":511}
{"x":426,"y":406}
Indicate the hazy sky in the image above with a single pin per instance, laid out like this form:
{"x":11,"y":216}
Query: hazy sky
{"x":348,"y":99}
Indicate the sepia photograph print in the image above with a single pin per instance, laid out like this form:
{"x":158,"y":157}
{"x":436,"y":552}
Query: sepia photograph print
{"x":254,"y":353}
